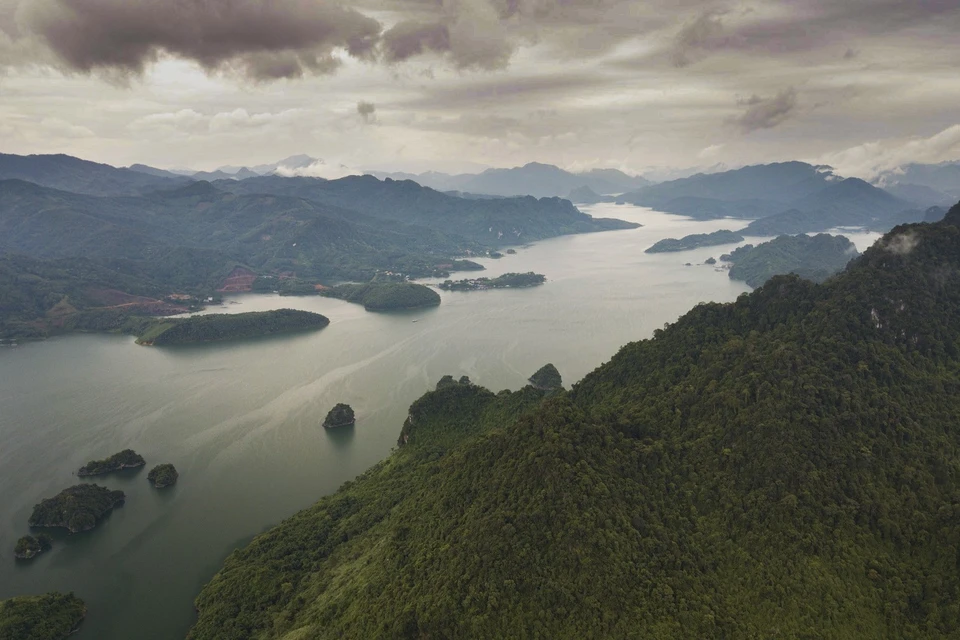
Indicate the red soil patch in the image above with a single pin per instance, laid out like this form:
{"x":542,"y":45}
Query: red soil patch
{"x":240,"y":280}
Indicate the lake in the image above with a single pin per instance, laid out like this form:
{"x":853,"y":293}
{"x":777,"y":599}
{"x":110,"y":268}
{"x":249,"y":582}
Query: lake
{"x":241,"y":421}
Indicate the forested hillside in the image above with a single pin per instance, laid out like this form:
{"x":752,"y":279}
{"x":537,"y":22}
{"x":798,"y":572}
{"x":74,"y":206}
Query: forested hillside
{"x":152,"y":236}
{"x":782,"y":466}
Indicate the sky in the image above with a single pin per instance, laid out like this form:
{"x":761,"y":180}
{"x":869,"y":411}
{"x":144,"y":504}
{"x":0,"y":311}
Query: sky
{"x":459,"y":85}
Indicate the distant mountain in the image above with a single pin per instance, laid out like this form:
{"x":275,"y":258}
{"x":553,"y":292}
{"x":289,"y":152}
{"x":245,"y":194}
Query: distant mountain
{"x":943,"y":178}
{"x":533,"y":179}
{"x":82,"y":176}
{"x":189,"y":236}
{"x":849,"y":203}
{"x":488,"y":222}
{"x":153,"y":171}
{"x":920,"y":194}
{"x":750,"y":192}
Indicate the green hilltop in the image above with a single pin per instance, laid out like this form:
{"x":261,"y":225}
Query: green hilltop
{"x":782,"y":466}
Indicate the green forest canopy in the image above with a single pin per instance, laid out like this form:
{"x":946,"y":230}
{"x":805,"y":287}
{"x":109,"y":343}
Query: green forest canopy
{"x":785,"y":465}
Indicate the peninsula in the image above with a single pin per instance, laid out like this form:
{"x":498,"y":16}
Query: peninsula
{"x":385,"y":296}
{"x":126,"y":459}
{"x":815,"y":258}
{"x":695,"y":241}
{"x":76,"y":509}
{"x":506,"y":281}
{"x":221,"y":327}
{"x":51,"y":616}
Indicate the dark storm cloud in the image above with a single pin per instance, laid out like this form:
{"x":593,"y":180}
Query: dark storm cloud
{"x":805,"y":25}
{"x":262,"y":40}
{"x":766,"y":113}
{"x":408,"y":39}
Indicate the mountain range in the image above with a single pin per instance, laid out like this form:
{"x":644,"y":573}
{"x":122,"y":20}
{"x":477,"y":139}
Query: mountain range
{"x":171,"y":234}
{"x":534,"y":179}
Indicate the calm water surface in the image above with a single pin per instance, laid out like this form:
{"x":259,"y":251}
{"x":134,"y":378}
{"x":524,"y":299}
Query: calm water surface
{"x":241,"y":421}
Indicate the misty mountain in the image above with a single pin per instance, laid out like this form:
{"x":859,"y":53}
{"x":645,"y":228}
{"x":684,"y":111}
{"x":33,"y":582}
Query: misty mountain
{"x":943,"y":178}
{"x":750,"y":192}
{"x":82,"y":176}
{"x":534,"y":179}
{"x":488,"y":222}
{"x":849,"y":203}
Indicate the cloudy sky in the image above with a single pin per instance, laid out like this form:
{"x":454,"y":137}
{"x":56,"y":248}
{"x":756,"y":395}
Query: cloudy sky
{"x":455,"y":85}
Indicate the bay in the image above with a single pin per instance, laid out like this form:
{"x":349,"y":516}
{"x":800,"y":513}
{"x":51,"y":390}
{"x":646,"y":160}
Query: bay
{"x":241,"y":421}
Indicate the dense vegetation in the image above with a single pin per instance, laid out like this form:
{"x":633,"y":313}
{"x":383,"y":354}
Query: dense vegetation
{"x":815,"y":258}
{"x":783,"y":466}
{"x":68,"y":254}
{"x":163,"y":475}
{"x":231,"y":326}
{"x":125,"y":459}
{"x":340,"y":416}
{"x":52,"y":616}
{"x":28,"y":547}
{"x":547,"y":378}
{"x":506,"y":281}
{"x":385,"y":296}
{"x":77,"y":508}
{"x":695,"y":240}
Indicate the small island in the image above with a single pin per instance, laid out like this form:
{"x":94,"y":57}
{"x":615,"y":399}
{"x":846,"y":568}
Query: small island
{"x":814,"y":258}
{"x":126,"y":459}
{"x":340,"y":416}
{"x":506,"y":281}
{"x":52,"y":616}
{"x":220,"y":327}
{"x":547,"y":378}
{"x":31,"y":546}
{"x":385,"y":296}
{"x":76,"y":509}
{"x":695,"y":241}
{"x":163,"y":475}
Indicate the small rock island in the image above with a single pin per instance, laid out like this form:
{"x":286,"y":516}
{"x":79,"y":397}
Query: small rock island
{"x":547,"y":378}
{"x":506,"y":281}
{"x":126,"y":459}
{"x":163,"y":475}
{"x":31,"y":546}
{"x":340,"y":416}
{"x":51,"y":616}
{"x":76,"y":509}
{"x":220,"y":327}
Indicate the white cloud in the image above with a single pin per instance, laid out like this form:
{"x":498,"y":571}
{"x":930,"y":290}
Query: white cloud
{"x":870,"y":159}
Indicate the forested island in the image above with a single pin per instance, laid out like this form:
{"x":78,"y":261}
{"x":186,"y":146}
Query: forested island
{"x":220,"y":327}
{"x":506,"y":281}
{"x":695,"y":241}
{"x":126,"y":459}
{"x":78,"y":508}
{"x":385,"y":296}
{"x":28,"y":547}
{"x":779,"y":466}
{"x":52,"y":616}
{"x":815,"y":258}
{"x":163,"y":475}
{"x":340,"y":416}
